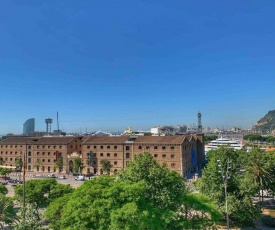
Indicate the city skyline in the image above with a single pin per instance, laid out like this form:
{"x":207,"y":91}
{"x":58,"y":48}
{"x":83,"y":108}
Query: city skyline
{"x":110,"y":65}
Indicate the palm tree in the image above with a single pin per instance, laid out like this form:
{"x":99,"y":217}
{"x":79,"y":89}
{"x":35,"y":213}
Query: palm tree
{"x":258,"y":170}
{"x":7,"y":213}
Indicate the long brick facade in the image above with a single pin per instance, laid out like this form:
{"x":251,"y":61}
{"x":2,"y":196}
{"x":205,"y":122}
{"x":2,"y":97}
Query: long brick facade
{"x":181,"y":153}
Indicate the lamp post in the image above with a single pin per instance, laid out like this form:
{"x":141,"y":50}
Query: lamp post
{"x":225,"y":177}
{"x":24,"y":180}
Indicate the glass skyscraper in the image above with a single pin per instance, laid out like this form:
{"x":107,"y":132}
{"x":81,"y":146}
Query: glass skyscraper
{"x":28,"y":127}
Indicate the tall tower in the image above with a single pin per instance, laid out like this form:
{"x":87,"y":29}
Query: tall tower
{"x":48,"y":122}
{"x":199,"y":123}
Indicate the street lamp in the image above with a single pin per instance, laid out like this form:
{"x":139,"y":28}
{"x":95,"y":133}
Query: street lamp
{"x":225,"y":177}
{"x":24,"y":180}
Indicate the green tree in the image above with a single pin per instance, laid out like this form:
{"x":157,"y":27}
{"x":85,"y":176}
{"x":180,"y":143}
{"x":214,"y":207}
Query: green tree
{"x":106,"y":165}
{"x":3,"y":190}
{"x":259,"y":170}
{"x":54,"y":211}
{"x":212,"y":185}
{"x":39,"y":193}
{"x":5,"y":171}
{"x":38,"y":163}
{"x":31,"y":219}
{"x":59,"y":164}
{"x":144,"y":196}
{"x":7,"y":213}
{"x":77,"y":165}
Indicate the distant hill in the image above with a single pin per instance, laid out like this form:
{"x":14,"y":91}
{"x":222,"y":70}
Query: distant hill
{"x":266,"y":123}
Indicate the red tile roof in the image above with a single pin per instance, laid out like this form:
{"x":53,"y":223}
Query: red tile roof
{"x":106,"y":140}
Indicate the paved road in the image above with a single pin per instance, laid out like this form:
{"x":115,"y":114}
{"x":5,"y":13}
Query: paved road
{"x":69,"y":181}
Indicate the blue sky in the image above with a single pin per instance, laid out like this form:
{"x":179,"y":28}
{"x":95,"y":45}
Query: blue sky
{"x":112,"y":64}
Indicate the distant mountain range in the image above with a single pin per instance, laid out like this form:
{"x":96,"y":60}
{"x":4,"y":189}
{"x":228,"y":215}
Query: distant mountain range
{"x":266,"y":123}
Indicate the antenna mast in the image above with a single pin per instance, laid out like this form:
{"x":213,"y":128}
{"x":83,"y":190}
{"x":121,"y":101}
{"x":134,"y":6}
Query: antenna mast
{"x":58,"y":132}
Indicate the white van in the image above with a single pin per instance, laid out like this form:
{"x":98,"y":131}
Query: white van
{"x":80,"y":178}
{"x":52,"y":175}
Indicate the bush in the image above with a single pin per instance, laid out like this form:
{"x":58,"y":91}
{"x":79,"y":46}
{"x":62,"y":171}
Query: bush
{"x":269,"y":221}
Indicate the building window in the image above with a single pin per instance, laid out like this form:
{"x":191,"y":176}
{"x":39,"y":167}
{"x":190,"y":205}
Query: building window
{"x":10,"y":159}
{"x":43,"y":153}
{"x":163,"y":155}
{"x":49,"y":160}
{"x":29,"y":147}
{"x":88,"y":146}
{"x":163,"y":147}
{"x":101,"y":147}
{"x":147,"y":147}
{"x":94,"y":154}
{"x":49,"y":153}
{"x":108,"y":154}
{"x":127,"y":155}
{"x":94,"y":162}
{"x":115,"y":162}
{"x":108,"y":147}
{"x":155,"y":155}
{"x":172,"y":147}
{"x":37,"y":153}
{"x":172,"y":155}
{"x":54,"y":147}
{"x":29,"y":154}
{"x":38,"y":146}
{"x":101,"y":154}
{"x":173,"y":165}
{"x":115,"y":154}
{"x":43,"y":168}
{"x":43,"y":160}
{"x":115,"y":171}
{"x":94,"y":146}
{"x":49,"y":169}
{"x":115,"y":147}
{"x":29,"y":160}
{"x":29,"y":168}
{"x":127,"y":147}
{"x":140,"y":147}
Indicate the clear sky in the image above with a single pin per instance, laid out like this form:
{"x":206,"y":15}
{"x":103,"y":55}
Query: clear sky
{"x":112,"y":64}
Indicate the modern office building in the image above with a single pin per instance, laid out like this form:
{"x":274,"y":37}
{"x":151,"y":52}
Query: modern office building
{"x":28,"y":127}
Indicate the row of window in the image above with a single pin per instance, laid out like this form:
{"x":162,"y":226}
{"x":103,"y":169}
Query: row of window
{"x":8,"y":152}
{"x":11,"y":146}
{"x":156,"y":147}
{"x":101,"y":147}
{"x":128,"y":147}
{"x":173,"y":165}
{"x":49,"y":146}
{"x":29,"y":160}
{"x":108,"y":155}
{"x":128,"y":155}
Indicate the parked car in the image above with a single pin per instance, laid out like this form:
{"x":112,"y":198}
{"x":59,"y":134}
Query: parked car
{"x":80,"y":178}
{"x":52,"y":175}
{"x":62,"y":177}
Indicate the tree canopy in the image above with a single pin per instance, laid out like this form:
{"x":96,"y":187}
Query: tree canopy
{"x":240,"y":197}
{"x":144,"y":196}
{"x":40,"y":193}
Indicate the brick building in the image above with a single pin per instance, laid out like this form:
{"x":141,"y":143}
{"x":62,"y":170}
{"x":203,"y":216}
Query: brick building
{"x":182,"y":153}
{"x":40,"y":153}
